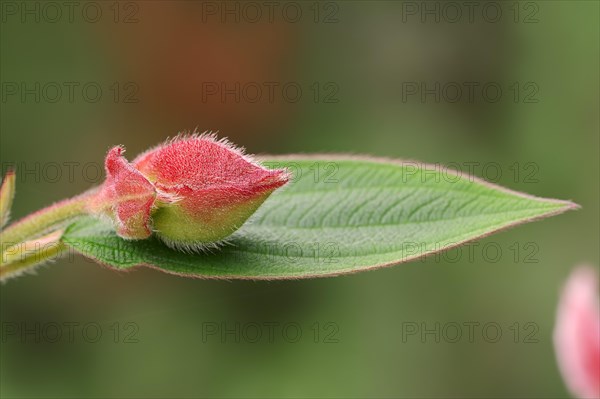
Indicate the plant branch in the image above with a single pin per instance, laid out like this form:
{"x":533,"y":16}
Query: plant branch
{"x":44,"y":220}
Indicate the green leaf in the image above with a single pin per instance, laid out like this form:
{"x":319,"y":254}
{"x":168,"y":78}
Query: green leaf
{"x":7,"y":195}
{"x":338,"y":215}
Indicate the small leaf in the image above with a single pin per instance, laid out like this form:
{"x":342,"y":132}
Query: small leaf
{"x":338,"y":215}
{"x":20,"y":257}
{"x":7,"y":194}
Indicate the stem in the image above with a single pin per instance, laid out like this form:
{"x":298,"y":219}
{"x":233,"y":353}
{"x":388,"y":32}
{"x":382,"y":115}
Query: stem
{"x":44,"y":220}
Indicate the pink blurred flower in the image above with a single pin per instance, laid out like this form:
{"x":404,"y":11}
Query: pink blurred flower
{"x":577,"y":333}
{"x":191,"y":191}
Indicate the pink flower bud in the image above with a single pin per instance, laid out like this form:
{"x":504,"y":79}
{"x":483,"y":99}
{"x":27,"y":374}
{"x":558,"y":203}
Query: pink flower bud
{"x":191,"y":191}
{"x":126,"y":196}
{"x":577,"y":334}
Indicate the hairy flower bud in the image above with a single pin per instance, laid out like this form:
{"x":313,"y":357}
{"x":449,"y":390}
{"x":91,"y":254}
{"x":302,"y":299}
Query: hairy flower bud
{"x":126,"y":196}
{"x":577,"y":333}
{"x":191,"y":191}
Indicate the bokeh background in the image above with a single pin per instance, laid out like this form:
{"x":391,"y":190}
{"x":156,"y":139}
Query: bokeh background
{"x":156,"y":63}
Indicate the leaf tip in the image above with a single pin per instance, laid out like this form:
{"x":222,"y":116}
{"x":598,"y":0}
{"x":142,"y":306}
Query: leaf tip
{"x":559,"y":207}
{"x":7,"y":194}
{"x":566,"y":205}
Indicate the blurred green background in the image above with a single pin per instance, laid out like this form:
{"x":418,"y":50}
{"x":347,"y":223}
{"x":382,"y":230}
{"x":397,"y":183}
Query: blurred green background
{"x":353,"y":61}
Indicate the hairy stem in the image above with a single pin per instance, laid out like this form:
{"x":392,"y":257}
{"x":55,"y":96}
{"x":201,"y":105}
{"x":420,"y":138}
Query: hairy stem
{"x":44,"y":220}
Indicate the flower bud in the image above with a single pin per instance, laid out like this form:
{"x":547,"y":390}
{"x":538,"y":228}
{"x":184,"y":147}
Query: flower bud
{"x":191,"y":191}
{"x":126,"y":196}
{"x":577,"y":333}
